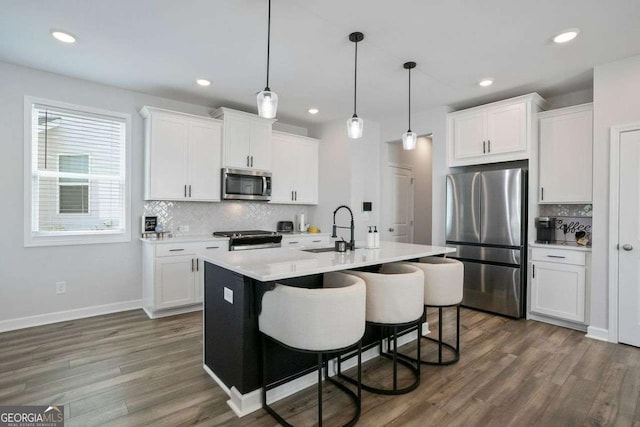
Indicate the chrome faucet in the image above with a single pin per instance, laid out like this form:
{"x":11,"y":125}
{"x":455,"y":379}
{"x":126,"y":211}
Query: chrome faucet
{"x":352,"y":242}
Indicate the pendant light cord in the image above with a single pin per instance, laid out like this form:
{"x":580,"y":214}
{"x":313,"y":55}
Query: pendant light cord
{"x":268,"y":44}
{"x":355,"y":80}
{"x":409,"y":99}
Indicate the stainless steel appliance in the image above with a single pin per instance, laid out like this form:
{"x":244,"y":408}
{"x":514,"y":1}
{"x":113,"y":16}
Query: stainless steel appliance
{"x":486,"y":223}
{"x":545,"y":230}
{"x":242,"y":184}
{"x":285,"y":227}
{"x":251,"y":239}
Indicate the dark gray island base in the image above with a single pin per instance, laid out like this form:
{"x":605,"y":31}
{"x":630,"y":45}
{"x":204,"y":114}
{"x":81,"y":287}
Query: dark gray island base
{"x":234,"y":286}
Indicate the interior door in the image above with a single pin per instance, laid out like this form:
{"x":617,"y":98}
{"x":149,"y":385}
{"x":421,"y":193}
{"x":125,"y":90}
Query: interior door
{"x":205,"y":150}
{"x":401,"y":197}
{"x":629,"y":240}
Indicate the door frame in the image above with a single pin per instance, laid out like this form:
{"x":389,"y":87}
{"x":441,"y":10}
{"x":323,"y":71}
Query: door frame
{"x":614,"y":200}
{"x":388,"y":214}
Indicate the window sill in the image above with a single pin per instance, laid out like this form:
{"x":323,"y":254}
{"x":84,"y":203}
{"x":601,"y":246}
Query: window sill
{"x":76,"y":239}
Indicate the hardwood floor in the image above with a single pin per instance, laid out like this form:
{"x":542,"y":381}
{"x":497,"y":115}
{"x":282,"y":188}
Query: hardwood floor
{"x":126,"y":370}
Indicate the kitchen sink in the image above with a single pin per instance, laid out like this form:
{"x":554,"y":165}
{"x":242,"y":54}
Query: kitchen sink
{"x":319,"y":250}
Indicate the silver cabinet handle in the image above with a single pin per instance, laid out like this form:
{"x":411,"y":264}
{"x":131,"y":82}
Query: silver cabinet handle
{"x":292,"y":196}
{"x":192,"y":266}
{"x":484,"y":147}
{"x":296,"y":195}
{"x":293,"y":243}
{"x":212,"y":247}
{"x":185,"y":190}
{"x":251,"y":161}
{"x":542,"y":189}
{"x":391,"y":230}
{"x":556,"y":256}
{"x":627,"y":247}
{"x":175,"y":250}
{"x":197,"y":264}
{"x":247,"y":161}
{"x":189,"y":190}
{"x":489,"y":144}
{"x":534,"y":270}
{"x":316,"y":241}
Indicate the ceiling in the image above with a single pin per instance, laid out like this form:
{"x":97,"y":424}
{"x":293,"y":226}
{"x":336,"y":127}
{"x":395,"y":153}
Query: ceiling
{"x":161,"y":46}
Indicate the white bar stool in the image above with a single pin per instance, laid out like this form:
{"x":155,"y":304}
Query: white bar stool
{"x":443,"y":285}
{"x":325,"y":320}
{"x":395,"y":298}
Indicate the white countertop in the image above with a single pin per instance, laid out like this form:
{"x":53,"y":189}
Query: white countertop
{"x":184,"y":239}
{"x":281,"y":263}
{"x":303,"y":233}
{"x":569,"y":246}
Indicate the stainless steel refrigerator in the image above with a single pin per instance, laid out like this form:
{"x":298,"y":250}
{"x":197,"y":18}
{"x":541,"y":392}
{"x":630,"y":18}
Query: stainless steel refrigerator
{"x":486,"y":223}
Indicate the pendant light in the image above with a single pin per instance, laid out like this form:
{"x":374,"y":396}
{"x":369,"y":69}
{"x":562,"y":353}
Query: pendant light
{"x":409,"y":138}
{"x":355,"y":124}
{"x":268,"y":100}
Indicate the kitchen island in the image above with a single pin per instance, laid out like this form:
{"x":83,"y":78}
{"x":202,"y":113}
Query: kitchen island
{"x":234,"y":285}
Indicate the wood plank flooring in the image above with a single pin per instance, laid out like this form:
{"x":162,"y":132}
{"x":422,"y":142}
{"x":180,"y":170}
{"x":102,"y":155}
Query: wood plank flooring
{"x":126,"y":370}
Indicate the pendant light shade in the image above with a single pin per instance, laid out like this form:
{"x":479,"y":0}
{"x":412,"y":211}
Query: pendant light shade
{"x":268,"y":100}
{"x":355,"y":125}
{"x":409,"y":138}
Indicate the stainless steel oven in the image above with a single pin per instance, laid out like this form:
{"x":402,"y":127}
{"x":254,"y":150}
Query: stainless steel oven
{"x":242,"y":184}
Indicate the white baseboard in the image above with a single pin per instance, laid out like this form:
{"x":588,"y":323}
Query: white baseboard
{"x":243,"y":404}
{"x":558,"y":322}
{"x":172,"y":311}
{"x":599,"y":334}
{"x":63,"y":316}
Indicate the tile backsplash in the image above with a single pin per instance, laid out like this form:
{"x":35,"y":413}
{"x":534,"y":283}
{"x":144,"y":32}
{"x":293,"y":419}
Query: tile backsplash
{"x":205,"y":218}
{"x":579,"y":211}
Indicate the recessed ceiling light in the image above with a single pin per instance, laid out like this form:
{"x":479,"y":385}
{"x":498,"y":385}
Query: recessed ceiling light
{"x":203,"y":82}
{"x":485,"y":82}
{"x":313,"y":111}
{"x":63,"y":37}
{"x":566,"y":35}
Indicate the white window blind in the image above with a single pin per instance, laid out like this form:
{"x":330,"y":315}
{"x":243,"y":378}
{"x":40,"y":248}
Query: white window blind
{"x":78,"y":173}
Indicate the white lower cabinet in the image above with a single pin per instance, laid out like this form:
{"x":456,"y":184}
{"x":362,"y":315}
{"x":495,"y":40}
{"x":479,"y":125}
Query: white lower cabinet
{"x":558,"y":283}
{"x":173,"y":276}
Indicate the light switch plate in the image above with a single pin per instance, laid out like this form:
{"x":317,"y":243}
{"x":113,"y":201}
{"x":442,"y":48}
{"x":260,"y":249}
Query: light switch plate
{"x":228,"y":295}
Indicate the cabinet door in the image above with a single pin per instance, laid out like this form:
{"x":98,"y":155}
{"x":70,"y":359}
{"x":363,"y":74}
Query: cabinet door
{"x":507,"y":129}
{"x":207,"y":248}
{"x":174,"y":281}
{"x":566,"y":158}
{"x":205,"y":151}
{"x":261,"y":144}
{"x":237,"y":142}
{"x":469,"y":135}
{"x":169,"y":157}
{"x":558,"y":290}
{"x":306,"y":181}
{"x":284,"y":167}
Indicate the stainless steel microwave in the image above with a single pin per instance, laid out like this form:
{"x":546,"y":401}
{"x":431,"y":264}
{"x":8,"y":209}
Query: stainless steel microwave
{"x":242,"y":184}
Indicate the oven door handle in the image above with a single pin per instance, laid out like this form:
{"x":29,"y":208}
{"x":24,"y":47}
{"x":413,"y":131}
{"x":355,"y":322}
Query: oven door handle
{"x":258,"y":246}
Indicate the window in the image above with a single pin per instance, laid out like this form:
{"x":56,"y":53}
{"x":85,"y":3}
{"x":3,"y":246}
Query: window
{"x":76,"y":165}
{"x":73,"y":193}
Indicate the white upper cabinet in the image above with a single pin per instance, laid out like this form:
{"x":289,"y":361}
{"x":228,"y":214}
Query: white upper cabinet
{"x":295,"y":169}
{"x":246,"y":140}
{"x":566,"y":155}
{"x":182,"y":156}
{"x":497,"y":132}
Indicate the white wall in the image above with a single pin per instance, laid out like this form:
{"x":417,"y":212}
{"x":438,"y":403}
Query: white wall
{"x":348,"y":175}
{"x":577,"y":97}
{"x":419,"y":160}
{"x":616,"y":101}
{"x":424,"y":122}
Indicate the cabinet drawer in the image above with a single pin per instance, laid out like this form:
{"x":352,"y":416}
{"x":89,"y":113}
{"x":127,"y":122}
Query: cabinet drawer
{"x":173,"y":249}
{"x":558,"y":255}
